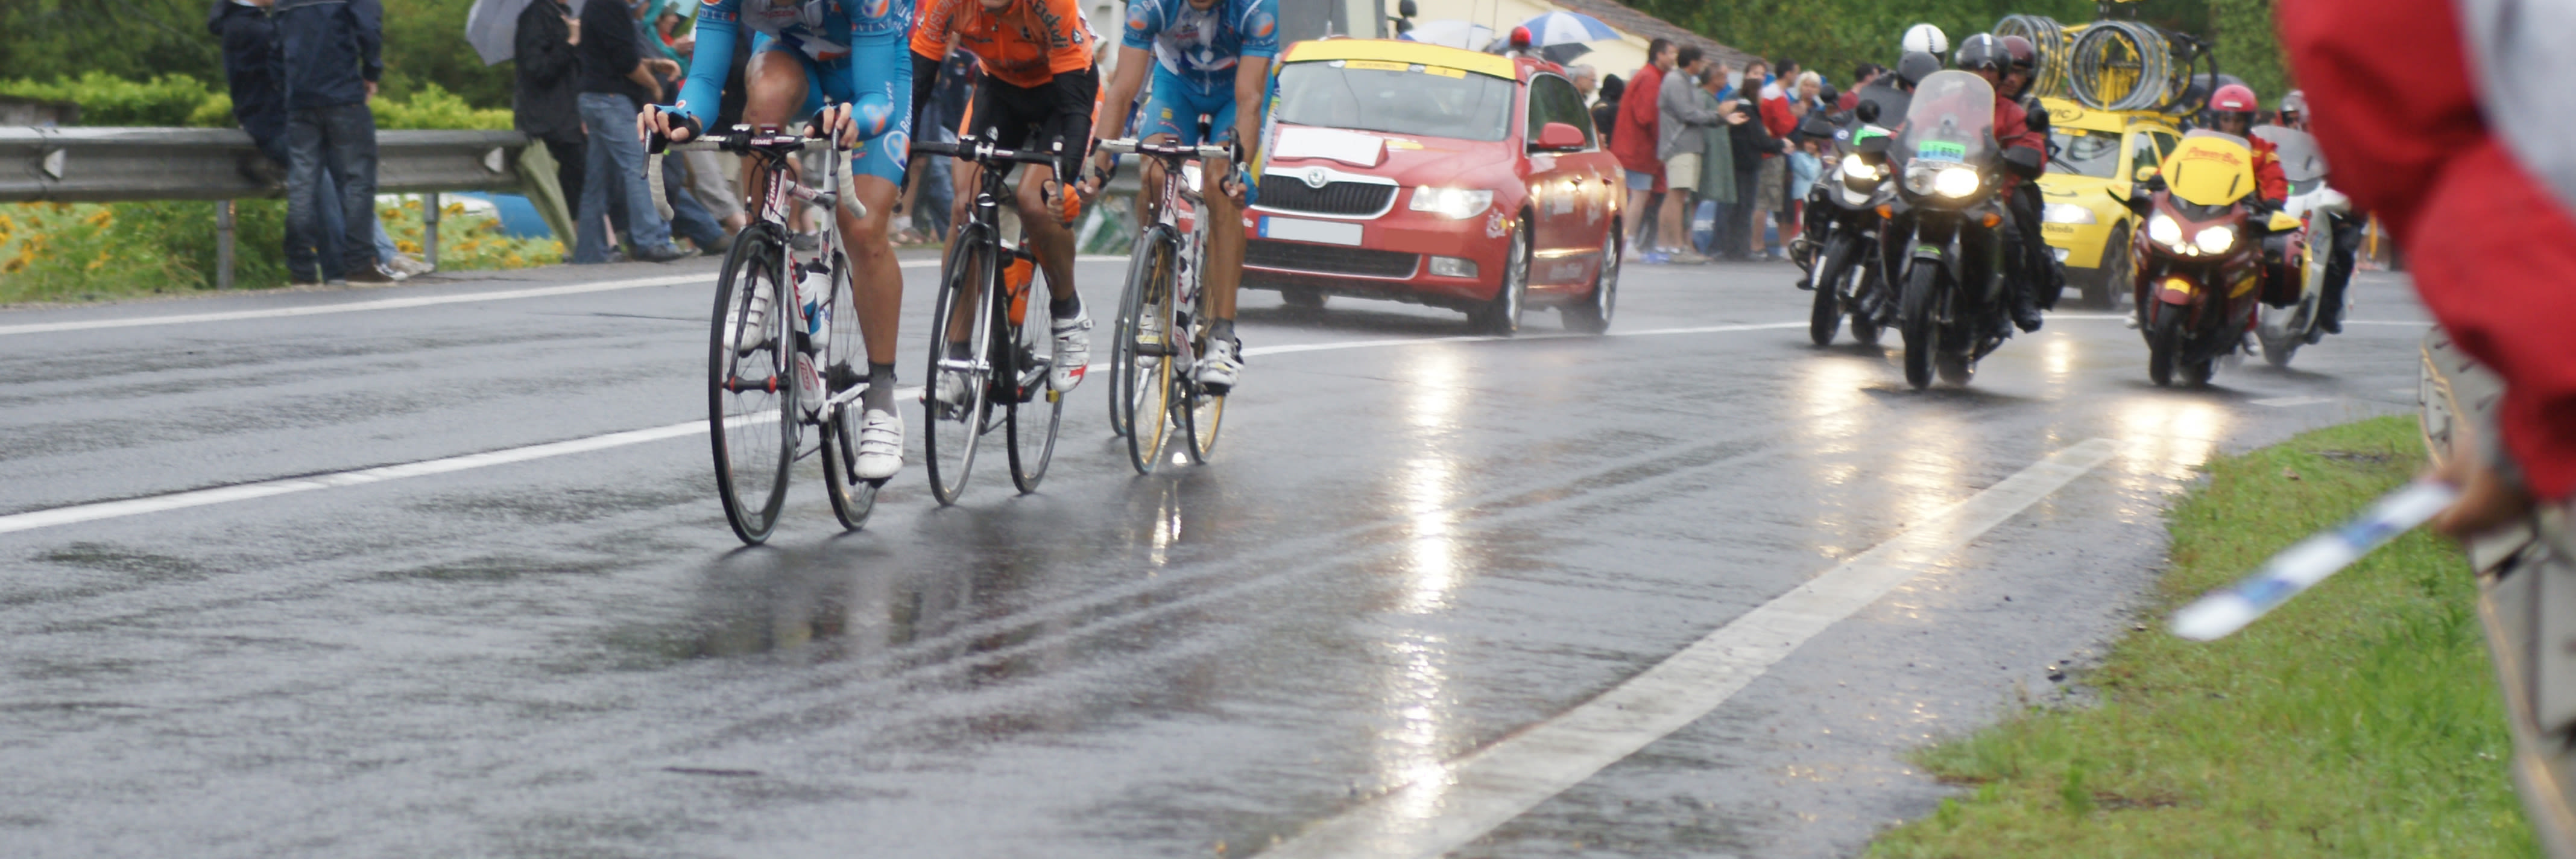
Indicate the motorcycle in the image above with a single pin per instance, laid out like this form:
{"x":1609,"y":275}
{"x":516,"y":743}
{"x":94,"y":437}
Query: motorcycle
{"x":2200,"y":278}
{"x":2283,"y":330}
{"x":1943,"y":234}
{"x":1840,"y":253}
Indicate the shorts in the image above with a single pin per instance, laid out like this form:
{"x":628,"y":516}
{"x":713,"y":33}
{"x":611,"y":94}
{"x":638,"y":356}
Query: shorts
{"x":1026,"y":117}
{"x":1176,"y":106}
{"x":882,"y":157}
{"x":1641,"y":180}
{"x":1771,"y":185}
{"x":1682,"y":171}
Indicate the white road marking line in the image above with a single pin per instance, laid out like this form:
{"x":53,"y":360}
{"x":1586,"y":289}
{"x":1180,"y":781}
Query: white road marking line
{"x":2287,"y":402}
{"x":94,"y":511}
{"x":1488,"y":338}
{"x":1470,"y":796}
{"x":417,"y":301}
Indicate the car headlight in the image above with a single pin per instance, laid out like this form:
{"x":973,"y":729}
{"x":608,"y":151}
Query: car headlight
{"x":2164,"y":231}
{"x":2216,"y":240}
{"x":1859,"y":169}
{"x":2066,"y":213}
{"x":1955,"y":182}
{"x":1457,"y":203}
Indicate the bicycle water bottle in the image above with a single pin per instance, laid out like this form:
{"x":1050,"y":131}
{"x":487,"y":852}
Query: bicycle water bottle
{"x":814,"y":294}
{"x":1015,"y":278}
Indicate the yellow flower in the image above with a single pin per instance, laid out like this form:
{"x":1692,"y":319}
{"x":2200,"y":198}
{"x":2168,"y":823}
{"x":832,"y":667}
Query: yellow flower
{"x":407,"y":246}
{"x":102,"y":219}
{"x":390,"y":213}
{"x":514,"y":261}
{"x":455,"y":209}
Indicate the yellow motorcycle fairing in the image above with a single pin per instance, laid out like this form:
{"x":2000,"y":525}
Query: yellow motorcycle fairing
{"x":2209,"y":168}
{"x":2283,"y":222}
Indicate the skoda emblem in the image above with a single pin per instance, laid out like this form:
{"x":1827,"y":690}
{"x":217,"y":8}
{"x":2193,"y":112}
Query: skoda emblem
{"x":1314,"y":177}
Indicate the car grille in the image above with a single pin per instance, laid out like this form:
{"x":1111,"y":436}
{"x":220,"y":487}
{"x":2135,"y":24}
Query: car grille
{"x":1329,"y":259}
{"x":1288,"y":193}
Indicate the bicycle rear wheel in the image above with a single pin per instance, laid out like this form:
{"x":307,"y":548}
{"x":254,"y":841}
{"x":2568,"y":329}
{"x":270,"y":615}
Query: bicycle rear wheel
{"x":751,"y":399}
{"x":1200,"y":412}
{"x":852,"y":499}
{"x":1141,"y":362}
{"x":1035,"y":407}
{"x":953,"y":425}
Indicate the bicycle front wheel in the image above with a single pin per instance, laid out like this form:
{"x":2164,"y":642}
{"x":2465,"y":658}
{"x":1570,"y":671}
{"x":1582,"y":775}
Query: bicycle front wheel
{"x":852,"y":499}
{"x":751,"y":399}
{"x":1035,"y":407}
{"x":957,"y":391}
{"x":1141,"y":361}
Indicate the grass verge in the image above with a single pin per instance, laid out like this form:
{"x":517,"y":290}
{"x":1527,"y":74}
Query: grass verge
{"x":69,"y":252}
{"x":2362,"y":719}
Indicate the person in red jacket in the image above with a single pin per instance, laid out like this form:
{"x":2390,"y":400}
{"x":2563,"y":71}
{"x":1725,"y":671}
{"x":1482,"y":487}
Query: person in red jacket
{"x":1634,"y":141}
{"x":2400,"y":116}
{"x":1987,"y":57}
{"x":2233,"y":107}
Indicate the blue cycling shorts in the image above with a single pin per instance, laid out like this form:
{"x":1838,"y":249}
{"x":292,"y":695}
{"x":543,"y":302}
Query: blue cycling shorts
{"x":882,"y":157}
{"x":1178,"y":103}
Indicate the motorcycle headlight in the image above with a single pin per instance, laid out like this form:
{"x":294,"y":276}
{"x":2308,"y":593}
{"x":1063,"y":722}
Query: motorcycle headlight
{"x":1918,"y":178}
{"x":1955,"y":182}
{"x":2164,"y":231}
{"x":1456,"y":203}
{"x":2216,"y":240}
{"x":1855,"y":168}
{"x":2066,"y":213}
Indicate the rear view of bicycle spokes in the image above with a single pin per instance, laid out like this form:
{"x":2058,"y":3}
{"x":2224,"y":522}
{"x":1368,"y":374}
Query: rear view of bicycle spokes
{"x":957,"y":397}
{"x":852,"y":498}
{"x":1141,"y":366}
{"x":988,"y":366}
{"x":751,"y":399}
{"x":1035,"y":408}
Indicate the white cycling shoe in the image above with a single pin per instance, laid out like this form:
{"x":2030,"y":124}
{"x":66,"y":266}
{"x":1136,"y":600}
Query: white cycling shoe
{"x":880,"y":445}
{"x":1072,"y":351}
{"x":952,"y":389}
{"x":754,"y":332}
{"x":1218,"y":369}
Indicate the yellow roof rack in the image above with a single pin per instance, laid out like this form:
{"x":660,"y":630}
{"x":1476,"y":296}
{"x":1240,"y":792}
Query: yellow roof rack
{"x":1398,"y":51}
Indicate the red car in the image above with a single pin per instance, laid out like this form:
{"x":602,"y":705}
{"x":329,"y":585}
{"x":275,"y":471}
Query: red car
{"x":1413,"y":172}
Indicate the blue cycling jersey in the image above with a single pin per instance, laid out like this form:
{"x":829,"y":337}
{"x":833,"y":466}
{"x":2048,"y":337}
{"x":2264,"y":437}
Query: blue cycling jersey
{"x":866,"y":40}
{"x":1200,"y":46}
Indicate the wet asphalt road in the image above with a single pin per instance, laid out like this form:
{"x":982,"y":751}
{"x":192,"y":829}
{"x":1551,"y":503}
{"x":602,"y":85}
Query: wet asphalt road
{"x":1402,"y":553}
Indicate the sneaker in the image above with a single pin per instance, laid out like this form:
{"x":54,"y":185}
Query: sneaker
{"x":375,"y":274}
{"x":665,"y":253}
{"x":1683,"y":257}
{"x":1654,"y":258}
{"x":1218,"y":369}
{"x":409,"y":266}
{"x":880,"y":445}
{"x":1072,"y":351}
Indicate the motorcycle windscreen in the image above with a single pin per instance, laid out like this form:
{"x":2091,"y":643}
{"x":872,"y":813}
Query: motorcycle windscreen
{"x":2301,"y":161}
{"x":1951,"y":121}
{"x":2210,"y":169}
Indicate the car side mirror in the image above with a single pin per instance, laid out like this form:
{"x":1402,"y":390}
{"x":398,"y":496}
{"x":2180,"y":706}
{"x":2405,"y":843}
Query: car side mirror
{"x":1558,"y":137}
{"x":2149,"y":173}
{"x":1867,"y":111}
{"x":2023,"y":161}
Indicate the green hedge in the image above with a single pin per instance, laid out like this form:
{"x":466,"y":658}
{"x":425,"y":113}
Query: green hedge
{"x":180,"y":100}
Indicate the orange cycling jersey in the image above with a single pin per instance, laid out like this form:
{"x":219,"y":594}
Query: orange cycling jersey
{"x":1024,"y":45}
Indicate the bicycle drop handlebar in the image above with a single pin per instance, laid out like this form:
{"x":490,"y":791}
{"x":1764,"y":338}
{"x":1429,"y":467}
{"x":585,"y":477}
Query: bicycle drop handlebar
{"x":1129,"y":145}
{"x":980,"y":152}
{"x":744,"y":140}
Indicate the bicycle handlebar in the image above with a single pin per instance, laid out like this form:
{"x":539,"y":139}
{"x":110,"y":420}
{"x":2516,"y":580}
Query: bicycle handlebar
{"x":980,"y":152}
{"x":1172,"y":150}
{"x":744,"y":139}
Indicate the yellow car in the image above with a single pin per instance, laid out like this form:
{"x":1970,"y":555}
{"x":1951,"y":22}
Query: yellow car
{"x":2098,"y":151}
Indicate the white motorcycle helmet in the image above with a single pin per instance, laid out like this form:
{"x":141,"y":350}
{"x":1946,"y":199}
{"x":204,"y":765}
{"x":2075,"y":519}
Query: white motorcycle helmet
{"x":1928,"y":39}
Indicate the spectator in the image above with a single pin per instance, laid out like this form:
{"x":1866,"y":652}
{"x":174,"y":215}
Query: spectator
{"x":1605,"y":112}
{"x":689,"y":218}
{"x":1807,"y":95}
{"x":616,"y":80}
{"x":709,"y":184}
{"x":1680,"y":114}
{"x":549,"y":76}
{"x":328,"y":59}
{"x":1585,"y":80}
{"x":1784,"y":72}
{"x":1771,"y":196}
{"x":1717,"y":189}
{"x":1861,"y":77}
{"x":1757,"y":164}
{"x":1636,"y":140}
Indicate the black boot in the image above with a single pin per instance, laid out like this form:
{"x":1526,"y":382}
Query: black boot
{"x":2025,"y":307}
{"x":2330,"y":314}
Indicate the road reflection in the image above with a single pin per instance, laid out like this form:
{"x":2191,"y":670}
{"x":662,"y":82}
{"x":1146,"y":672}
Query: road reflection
{"x":2164,"y":437}
{"x":1829,"y":421}
{"x":1415,"y":662}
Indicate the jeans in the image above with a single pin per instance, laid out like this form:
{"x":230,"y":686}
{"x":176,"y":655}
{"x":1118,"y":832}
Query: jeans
{"x":338,"y":141}
{"x":689,"y":219}
{"x":1738,"y":240}
{"x":615,"y":164}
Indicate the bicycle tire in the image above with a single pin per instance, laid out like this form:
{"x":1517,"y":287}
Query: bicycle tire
{"x":852,"y":499}
{"x":954,"y":429}
{"x":1143,"y":390}
{"x":1030,"y":438}
{"x":767,"y":412}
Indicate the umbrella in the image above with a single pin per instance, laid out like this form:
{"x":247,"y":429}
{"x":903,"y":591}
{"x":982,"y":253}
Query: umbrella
{"x":1563,"y":54}
{"x":1566,"y":28}
{"x":1451,"y":32}
{"x":492,"y":27}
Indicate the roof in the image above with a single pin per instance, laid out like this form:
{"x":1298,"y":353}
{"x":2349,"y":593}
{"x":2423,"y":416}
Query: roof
{"x":1393,"y":50}
{"x":1626,"y":19}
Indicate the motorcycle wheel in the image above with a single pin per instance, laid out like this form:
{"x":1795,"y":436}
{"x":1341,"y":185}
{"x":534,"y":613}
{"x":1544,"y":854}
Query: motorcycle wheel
{"x":1864,"y":324}
{"x":2164,"y":339}
{"x":1914,"y":324}
{"x":1827,"y":316}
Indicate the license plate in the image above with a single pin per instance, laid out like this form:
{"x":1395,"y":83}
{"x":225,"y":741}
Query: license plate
{"x":2061,"y":254}
{"x":1302,"y":230}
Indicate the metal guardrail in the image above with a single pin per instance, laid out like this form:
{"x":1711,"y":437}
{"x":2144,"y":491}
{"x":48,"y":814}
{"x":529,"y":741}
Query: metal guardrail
{"x":2526,"y":602}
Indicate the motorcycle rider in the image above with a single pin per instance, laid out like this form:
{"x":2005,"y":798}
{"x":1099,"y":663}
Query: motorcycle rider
{"x":1986,"y":57}
{"x":1927,"y":39}
{"x":2025,"y":199}
{"x":2231,"y":111}
{"x":2346,"y":228}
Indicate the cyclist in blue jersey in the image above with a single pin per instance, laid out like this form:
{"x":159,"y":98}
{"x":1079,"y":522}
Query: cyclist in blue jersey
{"x":852,"y":51}
{"x":1210,"y":58}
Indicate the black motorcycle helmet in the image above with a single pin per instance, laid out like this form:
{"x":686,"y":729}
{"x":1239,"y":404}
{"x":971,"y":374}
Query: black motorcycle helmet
{"x":1915,"y":66}
{"x":1983,"y":52}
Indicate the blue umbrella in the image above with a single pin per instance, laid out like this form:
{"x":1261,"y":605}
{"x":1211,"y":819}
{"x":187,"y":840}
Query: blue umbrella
{"x":1566,"y":28}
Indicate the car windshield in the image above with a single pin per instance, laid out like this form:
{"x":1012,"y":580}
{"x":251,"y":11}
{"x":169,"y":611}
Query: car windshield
{"x":2085,"y":153}
{"x":1369,"y":95}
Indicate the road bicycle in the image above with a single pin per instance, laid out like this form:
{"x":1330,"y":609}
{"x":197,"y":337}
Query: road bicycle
{"x":1163,"y":317}
{"x":985,"y":338}
{"x":775,"y":368}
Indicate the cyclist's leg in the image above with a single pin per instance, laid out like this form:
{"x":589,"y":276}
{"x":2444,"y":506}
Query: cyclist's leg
{"x":776,"y":89}
{"x":1224,"y":270}
{"x":876,"y":174}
